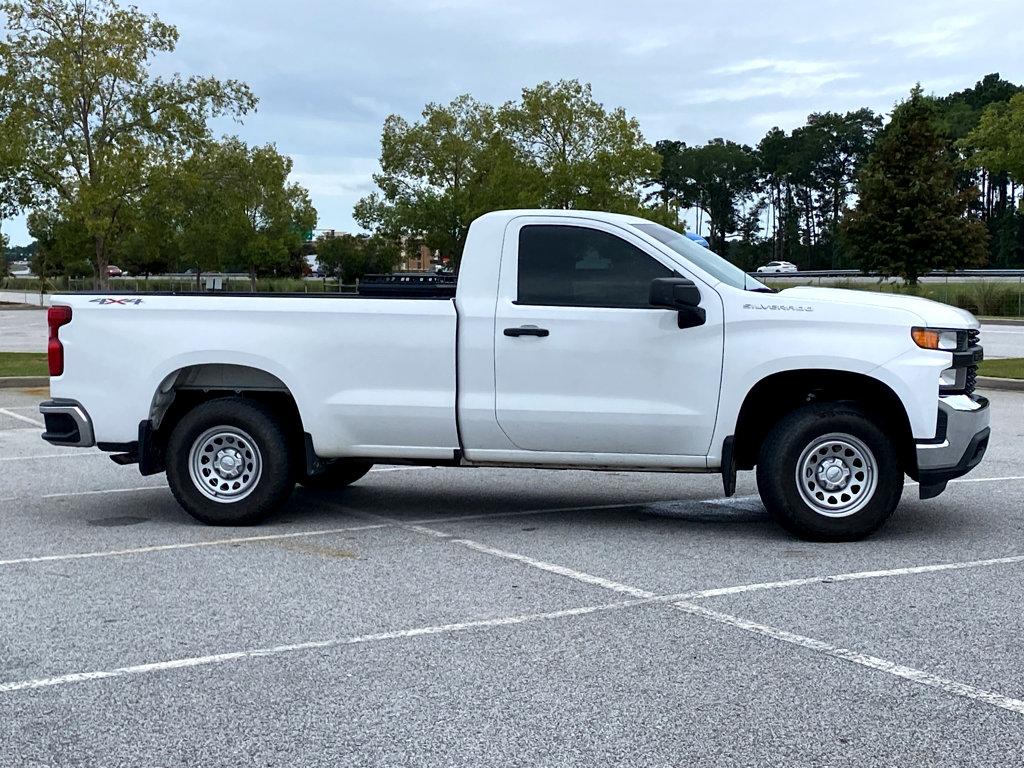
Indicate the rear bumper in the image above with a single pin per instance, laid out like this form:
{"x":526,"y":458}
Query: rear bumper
{"x":67,"y":423}
{"x":958,"y":447}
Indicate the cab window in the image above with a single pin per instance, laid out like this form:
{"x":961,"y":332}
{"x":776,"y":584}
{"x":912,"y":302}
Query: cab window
{"x":583,"y":267}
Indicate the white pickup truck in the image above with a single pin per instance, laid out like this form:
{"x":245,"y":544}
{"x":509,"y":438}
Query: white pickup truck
{"x":573,"y":340}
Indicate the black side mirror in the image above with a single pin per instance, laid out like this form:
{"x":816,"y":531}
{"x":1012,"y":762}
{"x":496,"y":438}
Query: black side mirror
{"x":682,"y":295}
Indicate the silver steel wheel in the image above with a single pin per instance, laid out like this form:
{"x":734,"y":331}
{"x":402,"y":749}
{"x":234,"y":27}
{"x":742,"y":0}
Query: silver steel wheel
{"x":837,"y":475}
{"x":225,"y":464}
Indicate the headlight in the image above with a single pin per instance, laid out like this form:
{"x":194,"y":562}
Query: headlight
{"x":935,"y":338}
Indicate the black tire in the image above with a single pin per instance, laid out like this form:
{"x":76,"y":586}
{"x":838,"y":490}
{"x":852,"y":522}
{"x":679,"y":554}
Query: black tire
{"x":840,"y":512}
{"x":244,"y":420}
{"x":338,"y":474}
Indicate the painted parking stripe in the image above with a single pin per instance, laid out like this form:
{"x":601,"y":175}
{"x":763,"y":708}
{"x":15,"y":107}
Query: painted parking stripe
{"x":164,"y":486}
{"x":552,"y":568}
{"x":187,"y":545}
{"x":381,"y":524}
{"x":924,"y":678}
{"x":921,"y":677}
{"x":679,"y":601}
{"x":215,"y":659}
{"x":19,"y":417}
{"x":54,"y":456}
{"x":859,"y":575}
{"x":101,"y":491}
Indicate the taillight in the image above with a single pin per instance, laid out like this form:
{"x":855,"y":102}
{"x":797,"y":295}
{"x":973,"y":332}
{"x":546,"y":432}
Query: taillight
{"x":56,"y":317}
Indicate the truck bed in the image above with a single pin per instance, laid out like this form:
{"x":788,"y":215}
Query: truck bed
{"x":366,"y":376}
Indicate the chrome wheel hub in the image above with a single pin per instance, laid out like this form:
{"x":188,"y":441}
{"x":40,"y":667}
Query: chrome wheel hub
{"x":837,"y":475}
{"x":225,"y":464}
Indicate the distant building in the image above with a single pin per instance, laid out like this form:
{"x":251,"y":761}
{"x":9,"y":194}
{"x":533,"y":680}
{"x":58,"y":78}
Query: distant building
{"x":420,"y":260}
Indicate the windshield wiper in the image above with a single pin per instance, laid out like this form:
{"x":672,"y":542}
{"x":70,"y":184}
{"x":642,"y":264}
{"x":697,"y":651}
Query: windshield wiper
{"x":762,"y":290}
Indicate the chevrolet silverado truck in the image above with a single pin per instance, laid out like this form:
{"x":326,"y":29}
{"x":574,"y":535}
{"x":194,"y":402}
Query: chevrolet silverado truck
{"x":570,"y":339}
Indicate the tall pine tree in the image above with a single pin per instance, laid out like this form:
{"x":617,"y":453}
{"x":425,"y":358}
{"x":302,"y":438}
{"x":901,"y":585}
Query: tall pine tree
{"x":910,"y":217}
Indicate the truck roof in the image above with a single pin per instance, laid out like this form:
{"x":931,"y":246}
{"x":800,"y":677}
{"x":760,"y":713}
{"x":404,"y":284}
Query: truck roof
{"x":601,"y":216}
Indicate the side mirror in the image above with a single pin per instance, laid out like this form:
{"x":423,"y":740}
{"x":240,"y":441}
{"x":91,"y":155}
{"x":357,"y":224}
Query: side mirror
{"x":682,"y":295}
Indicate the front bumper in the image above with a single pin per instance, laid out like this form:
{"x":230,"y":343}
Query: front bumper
{"x":67,"y":423}
{"x":959,"y":445}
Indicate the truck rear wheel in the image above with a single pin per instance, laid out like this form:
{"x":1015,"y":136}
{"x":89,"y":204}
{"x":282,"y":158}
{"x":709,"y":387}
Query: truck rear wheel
{"x":827,"y":472}
{"x":338,"y":474}
{"x":228,"y":462}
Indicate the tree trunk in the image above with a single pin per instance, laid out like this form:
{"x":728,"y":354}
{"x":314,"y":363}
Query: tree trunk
{"x":101,"y":281}
{"x":252,"y":278}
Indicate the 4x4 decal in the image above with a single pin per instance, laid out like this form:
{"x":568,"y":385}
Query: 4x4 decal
{"x":116,"y":300}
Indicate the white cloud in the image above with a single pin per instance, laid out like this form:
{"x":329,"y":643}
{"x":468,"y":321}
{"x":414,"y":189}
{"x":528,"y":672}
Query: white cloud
{"x":327,"y":73}
{"x":780,"y":66}
{"x":942,"y":37}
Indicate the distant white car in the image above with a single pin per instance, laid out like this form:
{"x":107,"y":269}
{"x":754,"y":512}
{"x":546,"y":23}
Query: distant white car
{"x":777,"y":267}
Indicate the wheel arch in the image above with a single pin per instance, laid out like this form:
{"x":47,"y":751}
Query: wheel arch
{"x":186,"y":387}
{"x":778,"y":394}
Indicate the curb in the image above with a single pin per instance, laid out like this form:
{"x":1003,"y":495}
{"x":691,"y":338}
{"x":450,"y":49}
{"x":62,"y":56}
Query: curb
{"x":24,"y":381}
{"x":1002,"y":321}
{"x":1000,"y":383}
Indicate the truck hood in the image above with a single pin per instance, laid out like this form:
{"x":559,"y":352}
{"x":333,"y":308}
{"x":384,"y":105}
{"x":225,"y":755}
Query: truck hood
{"x":931,"y":313}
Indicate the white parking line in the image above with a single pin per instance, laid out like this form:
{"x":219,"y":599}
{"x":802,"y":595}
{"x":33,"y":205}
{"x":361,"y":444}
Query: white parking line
{"x":563,"y":571}
{"x":859,"y":575}
{"x":988,"y":480}
{"x":54,"y":456}
{"x":12,"y":415}
{"x":381,"y":524}
{"x":679,"y":601}
{"x":101,"y":491}
{"x":875,"y":663}
{"x":187,"y":545}
{"x":213,"y":659}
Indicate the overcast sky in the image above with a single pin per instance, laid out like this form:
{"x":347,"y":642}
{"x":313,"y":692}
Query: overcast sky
{"x":328,"y":73}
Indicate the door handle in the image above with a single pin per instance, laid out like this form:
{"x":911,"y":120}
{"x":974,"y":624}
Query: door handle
{"x":526,"y":331}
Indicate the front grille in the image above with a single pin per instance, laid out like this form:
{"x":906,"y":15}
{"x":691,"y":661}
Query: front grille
{"x":973,"y":335}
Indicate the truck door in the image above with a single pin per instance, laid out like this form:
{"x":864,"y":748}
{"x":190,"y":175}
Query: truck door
{"x":582,"y":362}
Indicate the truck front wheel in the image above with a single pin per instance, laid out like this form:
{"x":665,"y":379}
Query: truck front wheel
{"x":228,"y":462}
{"x":827,"y":472}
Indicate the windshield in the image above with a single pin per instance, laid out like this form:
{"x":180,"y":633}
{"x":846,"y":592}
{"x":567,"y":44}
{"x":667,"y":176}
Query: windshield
{"x":704,"y":258}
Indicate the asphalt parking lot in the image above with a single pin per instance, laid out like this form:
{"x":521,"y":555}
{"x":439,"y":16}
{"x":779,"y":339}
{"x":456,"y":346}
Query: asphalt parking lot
{"x":444,"y":616}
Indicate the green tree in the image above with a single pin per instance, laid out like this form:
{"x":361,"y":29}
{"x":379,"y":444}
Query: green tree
{"x":350,"y":257}
{"x":960,"y":114}
{"x":240,"y":210}
{"x":94,"y":119}
{"x":555,"y":148}
{"x":910,"y":216}
{"x":998,"y":139}
{"x":440,"y":173}
{"x":583,"y":156}
{"x":62,"y":245}
{"x":333,"y":252}
{"x":829,"y":151}
{"x":996,"y":146}
{"x":716,"y":178}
